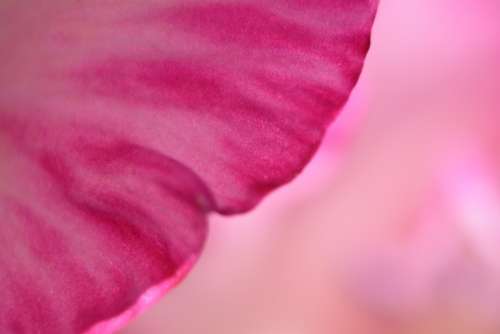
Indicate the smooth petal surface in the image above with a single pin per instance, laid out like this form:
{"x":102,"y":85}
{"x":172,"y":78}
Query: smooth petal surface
{"x":122,"y":123}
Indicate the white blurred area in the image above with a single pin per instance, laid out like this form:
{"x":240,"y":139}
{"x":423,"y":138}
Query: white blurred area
{"x":395,"y":225}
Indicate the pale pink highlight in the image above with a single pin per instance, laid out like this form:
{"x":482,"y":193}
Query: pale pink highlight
{"x":149,"y":297}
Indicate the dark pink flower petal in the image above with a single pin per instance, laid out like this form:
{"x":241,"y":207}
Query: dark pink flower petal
{"x":123,"y":123}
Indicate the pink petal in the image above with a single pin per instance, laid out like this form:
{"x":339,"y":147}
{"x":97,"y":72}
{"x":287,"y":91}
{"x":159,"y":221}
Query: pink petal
{"x":122,"y":124}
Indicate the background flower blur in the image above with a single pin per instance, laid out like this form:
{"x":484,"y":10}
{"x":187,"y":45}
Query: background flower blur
{"x":395,"y":225}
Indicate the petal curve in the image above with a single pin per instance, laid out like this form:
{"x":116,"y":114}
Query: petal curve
{"x":123,"y":123}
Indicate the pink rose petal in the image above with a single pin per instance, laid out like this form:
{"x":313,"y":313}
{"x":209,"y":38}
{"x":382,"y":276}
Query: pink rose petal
{"x":123,"y":123}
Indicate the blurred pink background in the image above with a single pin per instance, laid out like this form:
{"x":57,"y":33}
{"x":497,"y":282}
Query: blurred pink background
{"x":395,"y":225}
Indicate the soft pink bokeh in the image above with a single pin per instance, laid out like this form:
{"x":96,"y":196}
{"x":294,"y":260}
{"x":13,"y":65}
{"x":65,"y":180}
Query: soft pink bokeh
{"x":395,"y":226}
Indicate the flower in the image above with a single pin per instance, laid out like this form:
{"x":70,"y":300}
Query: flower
{"x":401,"y":235}
{"x":124,"y":123}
